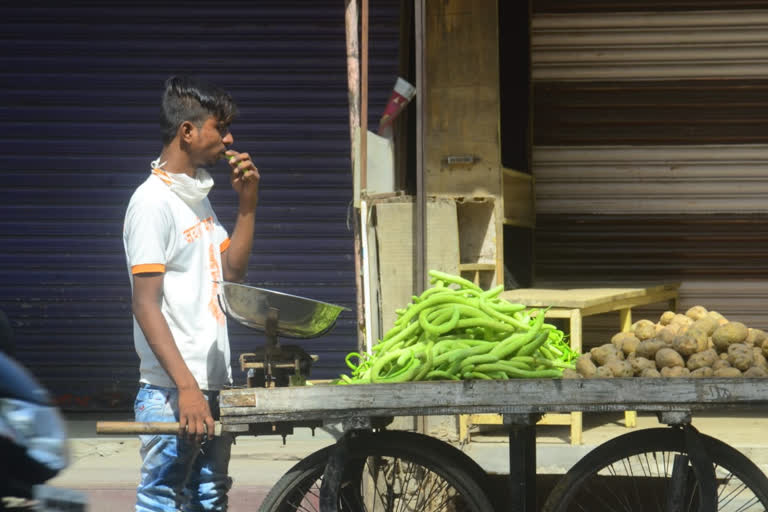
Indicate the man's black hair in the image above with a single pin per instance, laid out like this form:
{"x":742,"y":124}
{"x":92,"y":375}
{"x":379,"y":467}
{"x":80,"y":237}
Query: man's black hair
{"x":190,"y":99}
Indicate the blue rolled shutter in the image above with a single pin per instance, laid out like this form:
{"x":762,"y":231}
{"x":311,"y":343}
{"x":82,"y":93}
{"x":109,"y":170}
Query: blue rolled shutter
{"x":81,"y":88}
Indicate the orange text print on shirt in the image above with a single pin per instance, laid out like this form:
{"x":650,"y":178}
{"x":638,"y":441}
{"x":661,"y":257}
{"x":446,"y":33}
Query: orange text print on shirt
{"x":215,"y":269}
{"x":193,"y":233}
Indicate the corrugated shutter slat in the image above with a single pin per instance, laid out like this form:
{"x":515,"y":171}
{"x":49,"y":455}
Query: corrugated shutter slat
{"x":81,"y":86}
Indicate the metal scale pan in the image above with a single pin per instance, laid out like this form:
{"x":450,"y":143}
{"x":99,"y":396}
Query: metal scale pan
{"x":297,"y":317}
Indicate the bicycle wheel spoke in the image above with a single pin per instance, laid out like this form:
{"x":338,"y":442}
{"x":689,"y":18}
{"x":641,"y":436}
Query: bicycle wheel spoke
{"x":730,"y":492}
{"x":408,"y":482}
{"x":371,"y":476}
{"x":404,"y":492}
{"x":634,"y":484}
{"x":637,"y":471}
{"x":302,"y":503}
{"x":437,"y":490}
{"x":600,"y":498}
{"x":399,"y":486}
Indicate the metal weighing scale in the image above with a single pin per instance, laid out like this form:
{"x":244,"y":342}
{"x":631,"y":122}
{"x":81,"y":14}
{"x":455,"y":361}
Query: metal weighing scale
{"x":277,"y":314}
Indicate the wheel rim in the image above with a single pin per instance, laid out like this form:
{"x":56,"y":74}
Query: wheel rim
{"x":645,"y":482}
{"x":386,"y":484}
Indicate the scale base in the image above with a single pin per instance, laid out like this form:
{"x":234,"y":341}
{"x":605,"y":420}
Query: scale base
{"x":284,"y":365}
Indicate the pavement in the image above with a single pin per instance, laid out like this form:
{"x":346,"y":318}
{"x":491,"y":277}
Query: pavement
{"x":106,"y":468}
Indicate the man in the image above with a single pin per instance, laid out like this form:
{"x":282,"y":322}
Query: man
{"x":177,"y":252}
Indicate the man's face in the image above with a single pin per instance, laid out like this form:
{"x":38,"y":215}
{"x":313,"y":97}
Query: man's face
{"x":210,"y":142}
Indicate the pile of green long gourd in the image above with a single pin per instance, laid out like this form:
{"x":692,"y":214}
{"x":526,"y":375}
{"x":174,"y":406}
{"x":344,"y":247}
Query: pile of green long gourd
{"x":454,"y":331}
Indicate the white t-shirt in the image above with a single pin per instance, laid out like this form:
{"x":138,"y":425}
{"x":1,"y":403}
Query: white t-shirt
{"x":162,"y":233}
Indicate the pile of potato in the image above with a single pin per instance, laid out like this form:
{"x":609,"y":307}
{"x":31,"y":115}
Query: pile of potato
{"x":699,"y":343}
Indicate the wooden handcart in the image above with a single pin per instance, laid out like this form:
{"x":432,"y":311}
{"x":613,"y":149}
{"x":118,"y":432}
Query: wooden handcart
{"x":680,"y":468}
{"x":369,"y":468}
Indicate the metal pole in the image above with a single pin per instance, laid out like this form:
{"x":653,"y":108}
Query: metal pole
{"x":420,"y":223}
{"x":420,"y":212}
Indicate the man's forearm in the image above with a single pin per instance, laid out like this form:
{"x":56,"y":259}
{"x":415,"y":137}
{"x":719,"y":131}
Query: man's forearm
{"x":240,"y":244}
{"x":160,"y":340}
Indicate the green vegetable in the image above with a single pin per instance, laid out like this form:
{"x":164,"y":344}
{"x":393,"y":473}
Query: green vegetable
{"x":455,"y":330}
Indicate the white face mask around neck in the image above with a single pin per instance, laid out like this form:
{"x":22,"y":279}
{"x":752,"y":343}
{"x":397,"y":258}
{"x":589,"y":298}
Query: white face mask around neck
{"x":190,"y":190}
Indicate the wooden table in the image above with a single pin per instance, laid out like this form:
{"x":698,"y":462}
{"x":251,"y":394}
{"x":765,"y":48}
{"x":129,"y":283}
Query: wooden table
{"x":574,"y":304}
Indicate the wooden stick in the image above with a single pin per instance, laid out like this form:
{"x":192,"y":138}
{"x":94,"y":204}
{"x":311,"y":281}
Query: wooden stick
{"x":353,"y":90}
{"x":139,"y":428}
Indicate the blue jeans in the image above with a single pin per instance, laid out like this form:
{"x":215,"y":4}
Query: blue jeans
{"x":178,"y":475}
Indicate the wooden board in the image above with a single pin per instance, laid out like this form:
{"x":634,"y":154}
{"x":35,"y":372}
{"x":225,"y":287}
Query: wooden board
{"x":519,"y":207}
{"x":578,"y":298}
{"x":395,"y":237}
{"x":462,"y":98}
{"x":524,"y":396}
{"x":477,"y":231}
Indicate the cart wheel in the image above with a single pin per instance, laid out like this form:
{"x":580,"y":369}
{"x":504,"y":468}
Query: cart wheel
{"x":635,"y":472}
{"x":388,"y":471}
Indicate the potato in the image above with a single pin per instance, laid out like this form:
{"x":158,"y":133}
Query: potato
{"x":696,"y":312}
{"x":682,"y":320}
{"x":718,"y":317}
{"x":727,"y":372}
{"x":740,"y":356}
{"x":620,"y":338}
{"x":639,"y":364}
{"x":604,"y":353}
{"x":667,"y":358}
{"x":604,"y":373}
{"x":648,"y":348}
{"x":756,"y":372}
{"x":667,"y":334}
{"x":702,"y":359}
{"x":568,"y":373}
{"x":765,"y":348}
{"x":685,"y":345}
{"x":638,"y":323}
{"x":759,"y":335}
{"x":726,"y":334}
{"x":644,"y":329}
{"x":619,"y":368}
{"x":666,"y":317}
{"x":721,"y":363}
{"x":706,"y":324}
{"x":702,"y":339}
{"x":724,"y":355}
{"x":585,"y":366}
{"x":675,"y":371}
{"x":755,"y":337}
{"x":759,"y":358}
{"x":691,"y":342}
{"x":704,"y":371}
{"x":630,"y":345}
{"x":652,"y":373}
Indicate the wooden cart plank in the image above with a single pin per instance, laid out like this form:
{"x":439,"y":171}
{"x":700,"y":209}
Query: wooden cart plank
{"x":523,"y":396}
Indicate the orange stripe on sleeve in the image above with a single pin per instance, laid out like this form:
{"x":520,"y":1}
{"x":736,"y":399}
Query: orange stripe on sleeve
{"x":147,"y":268}
{"x":224,"y":245}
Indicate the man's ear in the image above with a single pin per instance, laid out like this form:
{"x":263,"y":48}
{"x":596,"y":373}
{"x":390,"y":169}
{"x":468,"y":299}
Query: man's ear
{"x":186,"y":131}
